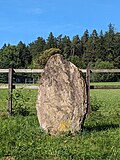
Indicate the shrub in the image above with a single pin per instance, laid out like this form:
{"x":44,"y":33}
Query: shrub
{"x":76,"y":60}
{"x":104,"y":77}
{"x":95,"y":104}
{"x":20,"y":104}
{"x":41,"y":61}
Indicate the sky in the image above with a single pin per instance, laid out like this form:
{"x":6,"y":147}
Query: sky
{"x":26,"y":20}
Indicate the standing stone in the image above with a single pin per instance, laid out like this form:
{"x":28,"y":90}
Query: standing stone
{"x":62,"y":99}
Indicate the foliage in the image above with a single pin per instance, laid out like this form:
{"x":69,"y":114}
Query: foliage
{"x":9,"y":57}
{"x":43,"y":58}
{"x":15,"y":56}
{"x":22,"y":138}
{"x":51,"y":41}
{"x":77,"y":61}
{"x":25,"y":56}
{"x":37,"y":47}
{"x":20,"y":106}
{"x":104,"y":77}
{"x":95,"y":104}
{"x":98,"y":49}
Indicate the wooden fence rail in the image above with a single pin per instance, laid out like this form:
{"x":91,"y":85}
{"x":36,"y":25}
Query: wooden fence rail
{"x":22,"y":70}
{"x":105,"y":87}
{"x":42,"y":70}
{"x":88,"y":71}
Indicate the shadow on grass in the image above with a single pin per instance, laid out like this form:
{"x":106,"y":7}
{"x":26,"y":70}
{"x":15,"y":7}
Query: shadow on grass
{"x":102,"y":127}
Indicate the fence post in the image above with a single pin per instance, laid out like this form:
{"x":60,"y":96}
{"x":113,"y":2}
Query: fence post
{"x":88,"y":89}
{"x":10,"y":83}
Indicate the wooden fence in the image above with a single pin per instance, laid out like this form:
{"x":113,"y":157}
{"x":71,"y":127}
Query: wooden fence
{"x":87,"y":71}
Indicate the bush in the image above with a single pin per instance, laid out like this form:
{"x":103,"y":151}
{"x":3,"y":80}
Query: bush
{"x":76,"y":60}
{"x":20,"y":104}
{"x":104,"y":77}
{"x":41,"y":61}
{"x":95,"y":104}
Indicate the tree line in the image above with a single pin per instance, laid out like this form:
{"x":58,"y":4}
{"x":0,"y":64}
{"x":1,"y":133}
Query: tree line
{"x":96,"y":50}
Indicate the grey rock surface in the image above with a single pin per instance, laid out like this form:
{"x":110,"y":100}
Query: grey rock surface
{"x":62,"y":99}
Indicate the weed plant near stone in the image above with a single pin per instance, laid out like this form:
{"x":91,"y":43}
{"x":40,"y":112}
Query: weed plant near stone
{"x":22,"y":139}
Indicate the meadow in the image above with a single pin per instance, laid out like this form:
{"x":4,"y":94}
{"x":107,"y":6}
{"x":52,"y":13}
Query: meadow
{"x":22,"y":139}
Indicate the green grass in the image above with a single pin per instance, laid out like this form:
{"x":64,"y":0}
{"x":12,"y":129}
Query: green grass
{"x":22,"y":139}
{"x":105,"y":83}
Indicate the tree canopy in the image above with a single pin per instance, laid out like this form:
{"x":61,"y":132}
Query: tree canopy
{"x":96,"y":49}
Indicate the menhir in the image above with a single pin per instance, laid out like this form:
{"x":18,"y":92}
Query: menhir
{"x":62,"y":98}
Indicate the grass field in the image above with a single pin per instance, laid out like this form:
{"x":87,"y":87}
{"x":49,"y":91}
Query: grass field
{"x":105,"y":83}
{"x":22,"y":139}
